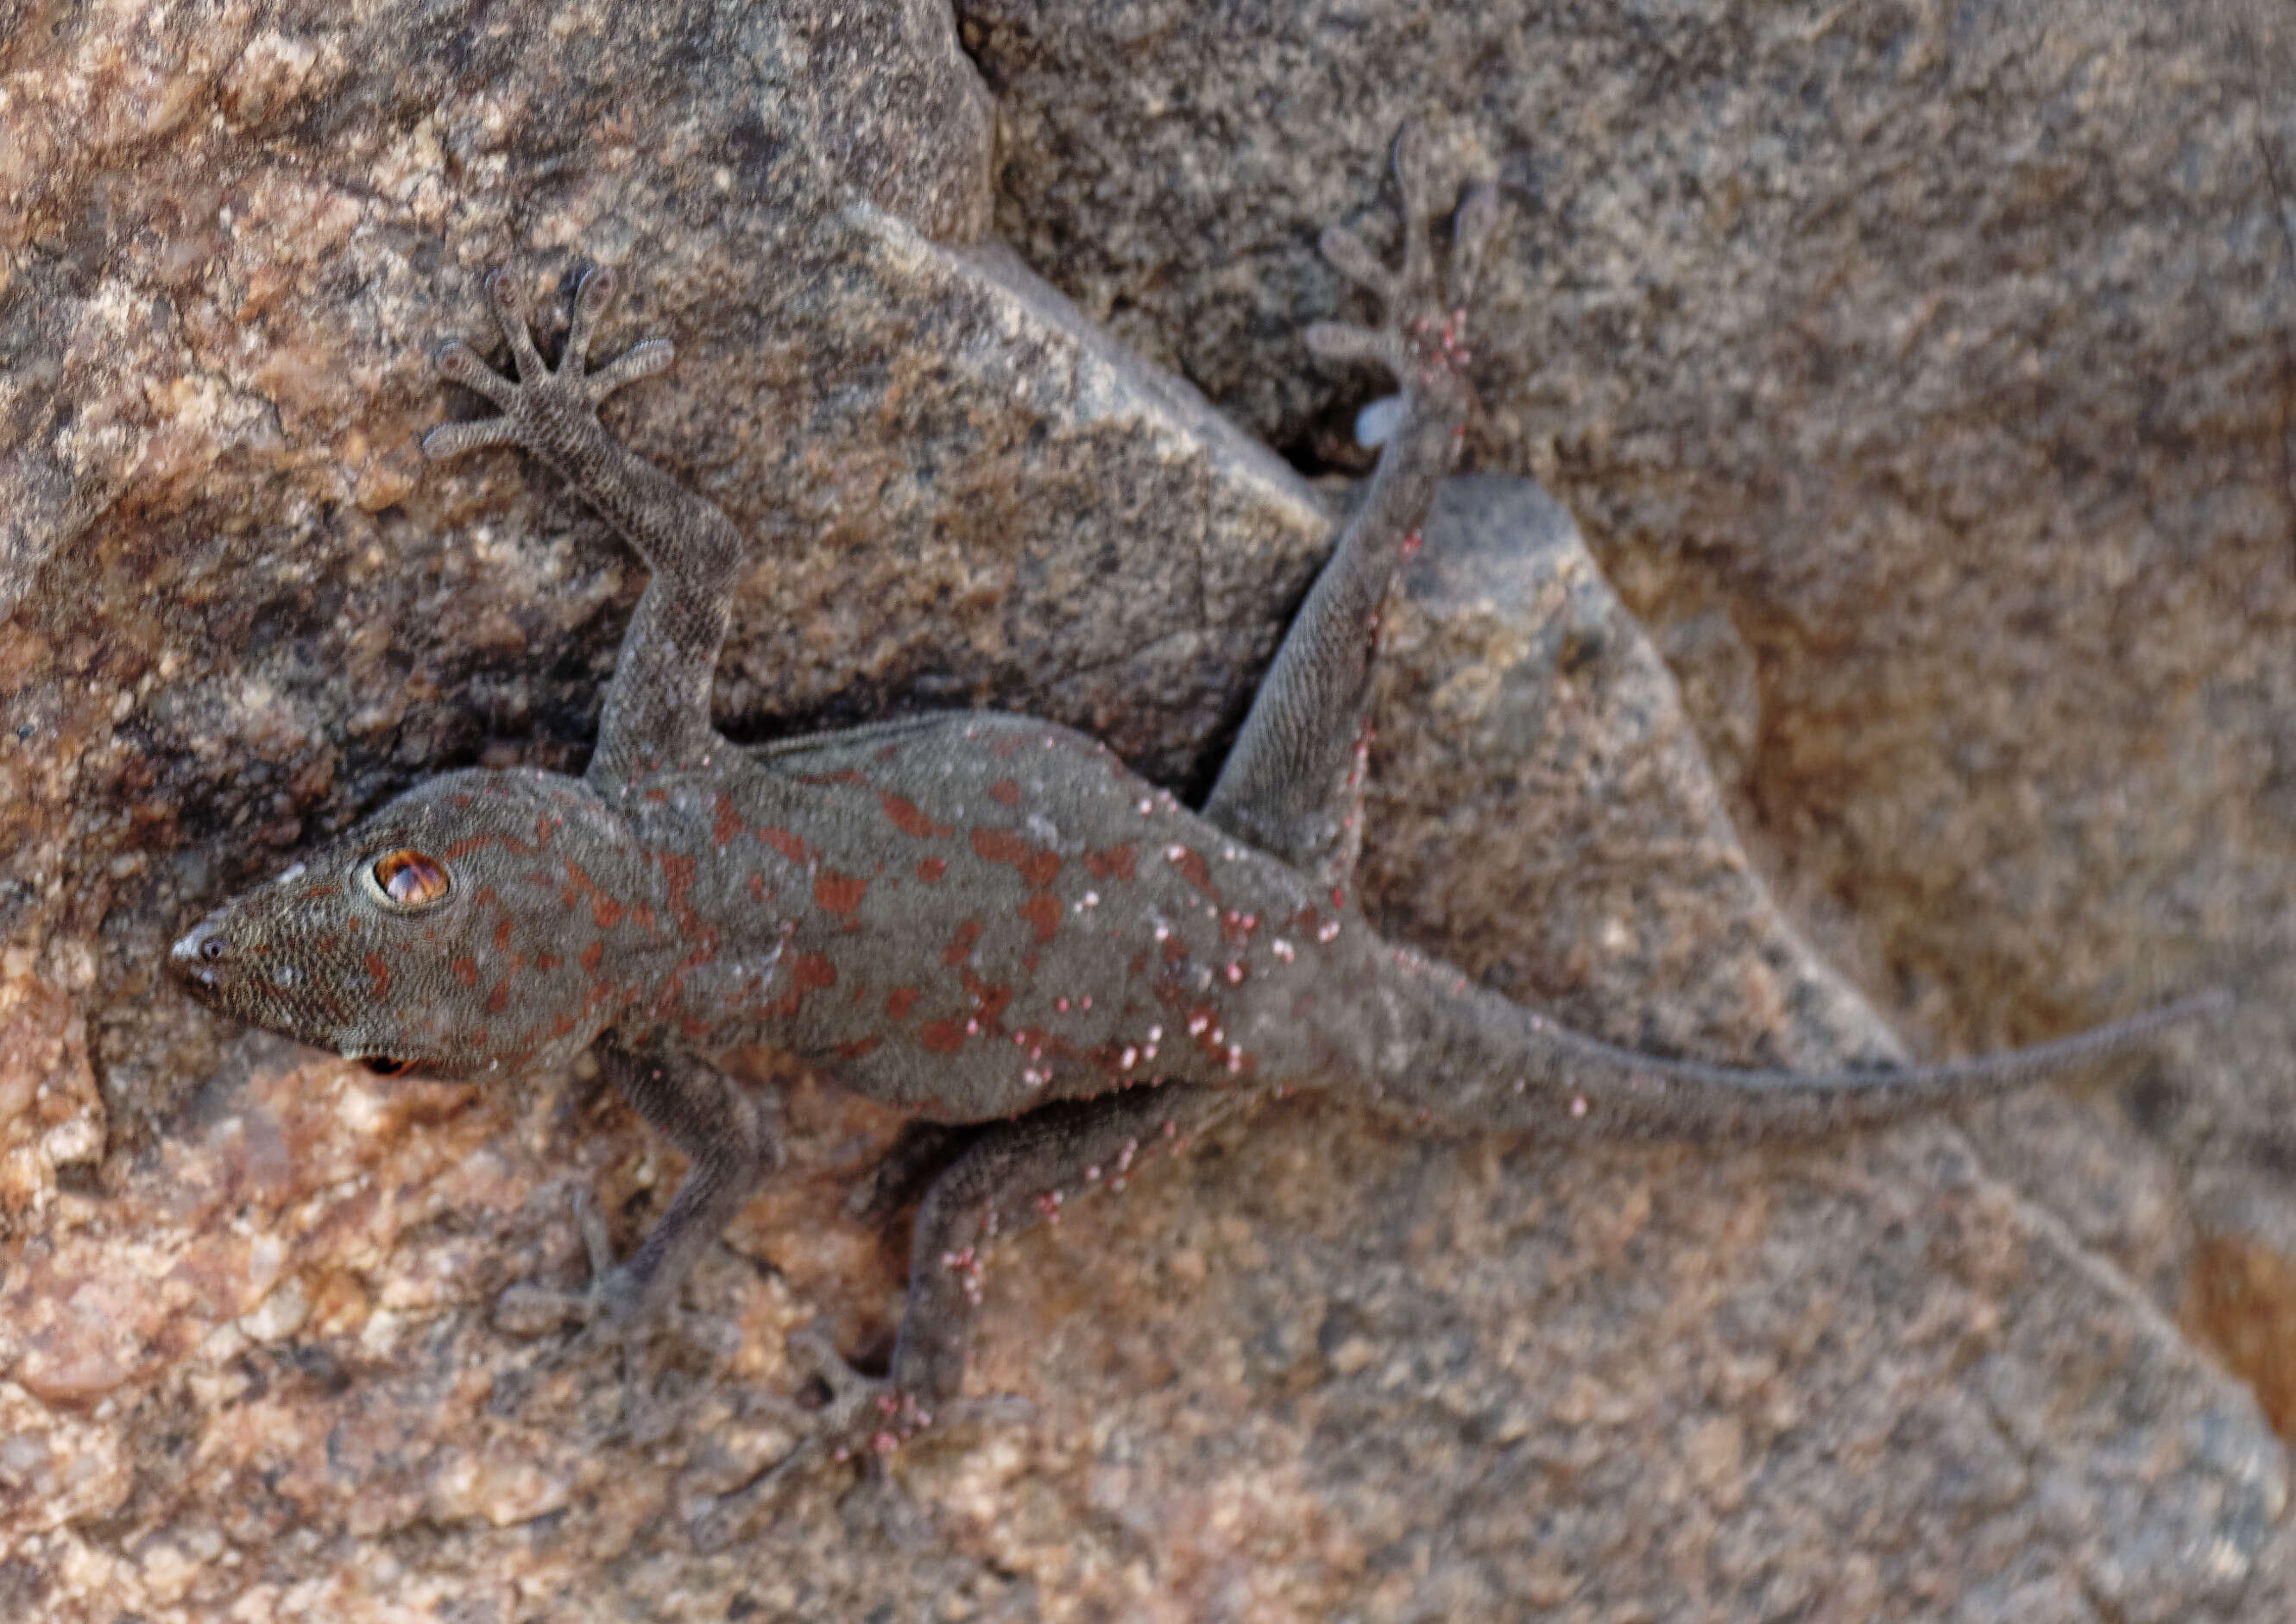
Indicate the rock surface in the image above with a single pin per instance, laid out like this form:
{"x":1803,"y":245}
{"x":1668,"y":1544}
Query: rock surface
{"x":1925,"y":377}
{"x":1990,"y":640}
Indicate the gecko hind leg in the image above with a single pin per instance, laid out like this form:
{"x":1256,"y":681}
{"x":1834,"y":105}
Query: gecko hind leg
{"x":1292,"y":783}
{"x":1011,"y":1177}
{"x":909,"y":1165}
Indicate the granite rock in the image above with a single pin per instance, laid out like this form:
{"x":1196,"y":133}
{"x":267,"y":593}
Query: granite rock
{"x":1923,"y":377}
{"x":1316,"y":1370}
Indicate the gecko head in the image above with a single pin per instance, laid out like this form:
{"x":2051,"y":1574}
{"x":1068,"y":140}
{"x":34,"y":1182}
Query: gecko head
{"x":484,"y":922}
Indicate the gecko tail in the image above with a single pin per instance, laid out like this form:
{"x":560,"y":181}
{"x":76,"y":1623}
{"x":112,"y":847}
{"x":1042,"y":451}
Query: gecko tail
{"x":1468,"y":1056}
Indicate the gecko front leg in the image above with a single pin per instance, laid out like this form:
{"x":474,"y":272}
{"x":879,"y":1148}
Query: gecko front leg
{"x":657,"y":709}
{"x":730,"y":1147}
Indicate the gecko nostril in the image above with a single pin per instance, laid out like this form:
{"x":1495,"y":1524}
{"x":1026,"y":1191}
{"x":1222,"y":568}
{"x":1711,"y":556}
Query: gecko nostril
{"x":211,"y":948}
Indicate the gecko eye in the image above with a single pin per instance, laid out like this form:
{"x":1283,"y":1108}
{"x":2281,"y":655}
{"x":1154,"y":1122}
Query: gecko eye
{"x":384,"y":1065}
{"x":409,"y":881}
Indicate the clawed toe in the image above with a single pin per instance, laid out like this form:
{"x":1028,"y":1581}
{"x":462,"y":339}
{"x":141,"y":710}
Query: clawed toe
{"x":1351,"y":257}
{"x":452,"y":440}
{"x":1343,"y":341}
{"x":457,"y":362}
{"x":507,"y":298}
{"x":1472,"y":229}
{"x":641,"y":359}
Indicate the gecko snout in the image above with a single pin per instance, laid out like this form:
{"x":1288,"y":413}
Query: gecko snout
{"x":200,"y":952}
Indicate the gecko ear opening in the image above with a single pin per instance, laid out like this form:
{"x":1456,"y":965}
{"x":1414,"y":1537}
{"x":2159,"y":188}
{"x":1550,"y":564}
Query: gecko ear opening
{"x":386,"y":1065}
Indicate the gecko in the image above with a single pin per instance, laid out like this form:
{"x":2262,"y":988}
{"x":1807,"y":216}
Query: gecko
{"x":1052,"y":966}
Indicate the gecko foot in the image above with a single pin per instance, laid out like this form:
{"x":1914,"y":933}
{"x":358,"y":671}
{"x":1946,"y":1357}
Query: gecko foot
{"x":1421,"y":340}
{"x":866,"y":1418}
{"x":545,"y":412}
{"x":613,"y":1315}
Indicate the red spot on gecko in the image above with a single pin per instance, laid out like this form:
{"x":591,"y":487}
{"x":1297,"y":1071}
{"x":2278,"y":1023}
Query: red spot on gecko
{"x":855,"y":1049}
{"x":908,"y":819}
{"x":728,"y":824}
{"x":1037,"y":868}
{"x":544,"y":826}
{"x":466,"y":971}
{"x":899,"y":1002}
{"x":381,"y":974}
{"x":758,"y":889}
{"x":1113,"y":864}
{"x":930,"y":869}
{"x":812,"y":971}
{"x":837,"y":893}
{"x":960,"y":945}
{"x":1001,"y":846}
{"x":470,"y":843}
{"x":592,"y":955}
{"x":546,"y":960}
{"x":1005,"y":792}
{"x":990,"y":1001}
{"x":1194,"y":869}
{"x":498,"y":1000}
{"x":604,"y":909}
{"x":1042,"y":911}
{"x":783,"y":842}
{"x":942,"y":1037}
{"x":502,"y":934}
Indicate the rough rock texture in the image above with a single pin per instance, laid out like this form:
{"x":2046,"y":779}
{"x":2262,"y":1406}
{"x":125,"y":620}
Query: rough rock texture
{"x":1925,"y":376}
